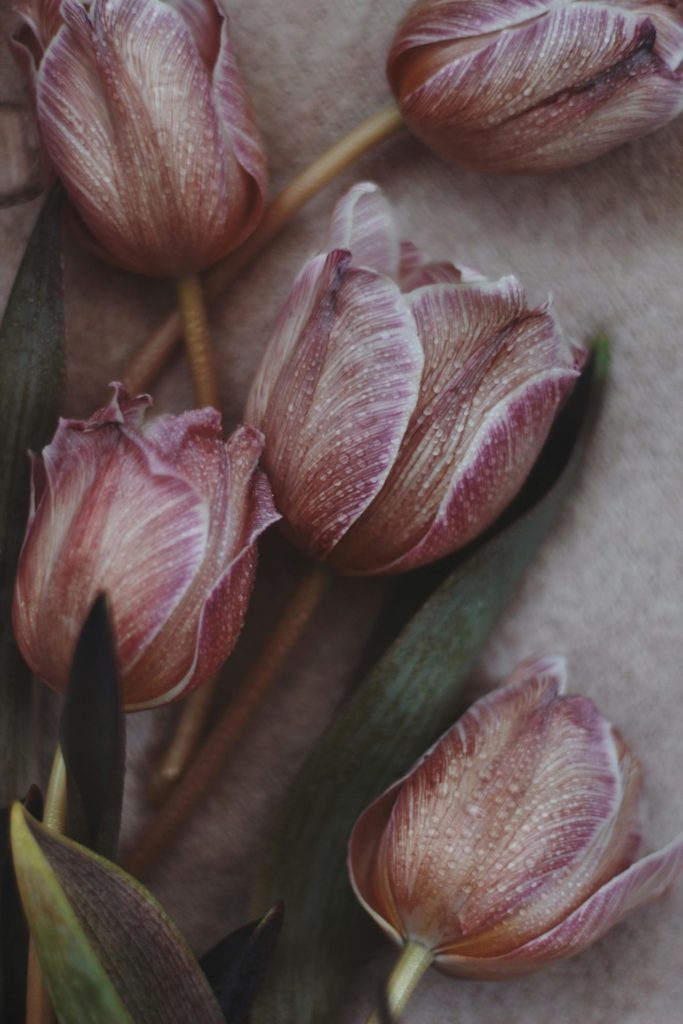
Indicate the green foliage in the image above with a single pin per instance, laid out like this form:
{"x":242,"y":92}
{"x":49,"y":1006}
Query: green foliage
{"x":31,"y":379}
{"x":107,"y":950}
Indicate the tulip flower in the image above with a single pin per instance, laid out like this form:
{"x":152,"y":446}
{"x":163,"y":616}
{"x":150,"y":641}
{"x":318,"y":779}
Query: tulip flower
{"x":144,"y":118}
{"x":514,"y":841}
{"x":403,"y":401}
{"x":164,"y":518}
{"x":529,"y":86}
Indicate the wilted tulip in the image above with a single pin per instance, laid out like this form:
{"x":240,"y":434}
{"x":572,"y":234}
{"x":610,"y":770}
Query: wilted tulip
{"x":403,"y":401}
{"x":514,"y":841}
{"x":536,"y":85}
{"x":144,"y":118}
{"x":164,"y":518}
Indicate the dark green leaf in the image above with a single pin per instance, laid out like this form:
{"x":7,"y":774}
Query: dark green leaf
{"x":92,"y":737}
{"x":411,"y":696}
{"x":31,"y":379}
{"x":235,"y":967}
{"x":107,"y":950}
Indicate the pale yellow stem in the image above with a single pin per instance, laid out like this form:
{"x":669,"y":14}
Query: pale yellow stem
{"x":38,"y":1007}
{"x":194,"y":714}
{"x":230,"y":726}
{"x":197,"y":341}
{"x":157,"y":350}
{"x":403,"y":980}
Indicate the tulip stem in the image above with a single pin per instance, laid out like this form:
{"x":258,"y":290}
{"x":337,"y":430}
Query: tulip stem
{"x":155,"y":353}
{"x":194,"y":714}
{"x":38,"y":1006}
{"x":196,"y":708}
{"x":403,"y":980}
{"x":231,"y":725}
{"x":197,"y":341}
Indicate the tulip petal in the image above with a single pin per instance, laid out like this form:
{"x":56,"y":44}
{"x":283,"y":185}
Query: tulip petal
{"x":157,"y":188}
{"x":522,"y":809}
{"x":240,"y":130}
{"x":71,"y":550}
{"x":334,"y":396}
{"x":498,"y":717}
{"x":204,"y":21}
{"x":646,"y":880}
{"x":363,"y":222}
{"x":493,"y":101}
{"x":417,"y":270}
{"x":495,"y":373}
{"x":206,"y":624}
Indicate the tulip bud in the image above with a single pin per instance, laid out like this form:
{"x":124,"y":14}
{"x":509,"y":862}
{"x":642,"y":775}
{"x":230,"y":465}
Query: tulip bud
{"x":403,"y":401}
{"x":513,"y":841}
{"x":532,"y":86}
{"x":164,"y":518}
{"x":144,"y":117}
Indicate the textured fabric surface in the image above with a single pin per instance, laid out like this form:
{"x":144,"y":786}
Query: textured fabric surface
{"x":606,"y":589}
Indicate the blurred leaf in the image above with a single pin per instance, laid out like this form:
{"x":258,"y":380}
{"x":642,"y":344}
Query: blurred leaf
{"x":22,"y":170}
{"x":92,"y":737}
{"x":406,"y":702}
{"x":108,"y":952}
{"x":235,"y":966}
{"x":31,"y":378}
{"x":13,"y":930}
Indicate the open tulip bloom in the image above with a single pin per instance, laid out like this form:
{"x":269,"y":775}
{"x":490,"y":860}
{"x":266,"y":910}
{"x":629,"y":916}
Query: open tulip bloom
{"x":163,"y":517}
{"x":514,"y":841}
{"x":145,"y":120}
{"x":403,"y":401}
{"x":529,"y":86}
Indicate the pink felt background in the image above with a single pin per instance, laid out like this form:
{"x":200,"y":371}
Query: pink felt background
{"x":606,"y":239}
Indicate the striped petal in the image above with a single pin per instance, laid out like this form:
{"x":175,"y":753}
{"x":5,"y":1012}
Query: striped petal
{"x":643,"y":882}
{"x":536,"y":87}
{"x":525,"y":808}
{"x":203,"y":628}
{"x":241,"y":137}
{"x":128,"y":117}
{"x":334,"y":395}
{"x":102,"y":492}
{"x":363,"y":223}
{"x":495,"y":373}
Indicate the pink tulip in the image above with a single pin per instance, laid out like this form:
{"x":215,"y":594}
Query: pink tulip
{"x":529,"y":86}
{"x":514,"y":841}
{"x":403,"y":401}
{"x":164,"y":518}
{"x":144,"y":118}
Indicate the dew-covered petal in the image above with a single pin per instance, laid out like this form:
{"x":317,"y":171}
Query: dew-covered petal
{"x":104,"y":494}
{"x":241,"y":137}
{"x":204,"y":627}
{"x":363,"y":222}
{"x":565,"y":85}
{"x":503,"y":828}
{"x":204,"y":21}
{"x":646,"y":880}
{"x":495,"y":373}
{"x":333,"y":396}
{"x":486,"y":730}
{"x":156,"y":187}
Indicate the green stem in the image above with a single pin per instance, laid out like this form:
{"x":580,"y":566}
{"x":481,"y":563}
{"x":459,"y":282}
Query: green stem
{"x":403,"y":980}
